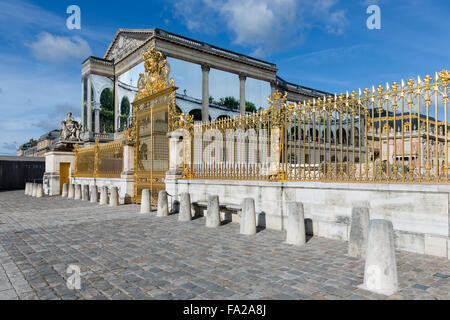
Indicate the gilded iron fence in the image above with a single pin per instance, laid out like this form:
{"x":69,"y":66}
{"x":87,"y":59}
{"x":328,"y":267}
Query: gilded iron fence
{"x":99,"y":161}
{"x":396,"y":133}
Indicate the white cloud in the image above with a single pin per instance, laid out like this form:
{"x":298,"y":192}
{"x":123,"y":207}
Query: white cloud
{"x":263,"y":25}
{"x":59,"y":49}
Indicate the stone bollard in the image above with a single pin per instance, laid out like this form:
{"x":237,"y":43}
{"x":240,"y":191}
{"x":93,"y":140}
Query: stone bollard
{"x":77,"y":192}
{"x":64,"y":190}
{"x":358,"y":232}
{"x":380,"y":271}
{"x":27,"y":186}
{"x":114,"y":197}
{"x":94,"y":194}
{"x":163,"y":204}
{"x":145,"y":201}
{"x":85,"y":193}
{"x":212,"y":212}
{"x":34,"y":190}
{"x":185,"y":208}
{"x":39,"y":191}
{"x":104,"y":195}
{"x":296,"y":233}
{"x":71,"y":191}
{"x":248,"y":217}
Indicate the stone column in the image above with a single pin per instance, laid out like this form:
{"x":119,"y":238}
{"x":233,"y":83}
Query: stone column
{"x":34,"y":190}
{"x":97,"y":119}
{"x":176,"y":152}
{"x":89,"y":104}
{"x":359,"y":230}
{"x":65,"y":190}
{"x":380,"y":270}
{"x":185,"y":207}
{"x":82,"y":102}
{"x":273,"y":87}
{"x":85,"y":193}
{"x":248,"y":217}
{"x":163,"y":204}
{"x":242,"y":79}
{"x":128,"y":157}
{"x":296,"y":233}
{"x":114,"y":197}
{"x":145,"y":201}
{"x":77,"y":192}
{"x":205,"y":93}
{"x":40,"y":191}
{"x":116,"y":104}
{"x":71,"y":191}
{"x":104,"y":195}
{"x":94,"y":194}
{"x":212,"y":212}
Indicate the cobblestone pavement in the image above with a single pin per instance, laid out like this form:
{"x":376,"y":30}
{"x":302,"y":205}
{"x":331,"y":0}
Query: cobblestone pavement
{"x":125,"y":255}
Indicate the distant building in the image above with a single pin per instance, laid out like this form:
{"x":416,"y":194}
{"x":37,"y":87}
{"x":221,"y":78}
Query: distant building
{"x":38,"y":148}
{"x":28,"y":149}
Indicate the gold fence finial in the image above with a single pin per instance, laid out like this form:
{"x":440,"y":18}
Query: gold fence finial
{"x":444,"y":75}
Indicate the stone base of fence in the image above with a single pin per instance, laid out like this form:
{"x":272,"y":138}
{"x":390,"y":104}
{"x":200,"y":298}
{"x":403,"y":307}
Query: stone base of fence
{"x":125,"y":185}
{"x":420,"y":213}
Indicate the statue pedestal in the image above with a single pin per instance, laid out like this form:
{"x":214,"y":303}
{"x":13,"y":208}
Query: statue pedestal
{"x":59,"y":167}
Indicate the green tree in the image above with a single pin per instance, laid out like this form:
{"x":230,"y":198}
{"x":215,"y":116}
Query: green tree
{"x":250,"y":106}
{"x":107,"y":110}
{"x":124,"y":112}
{"x":229,"y":102}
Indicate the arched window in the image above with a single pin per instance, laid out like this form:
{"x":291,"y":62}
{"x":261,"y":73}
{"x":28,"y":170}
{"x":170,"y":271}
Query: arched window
{"x":223,"y":116}
{"x":197,"y":114}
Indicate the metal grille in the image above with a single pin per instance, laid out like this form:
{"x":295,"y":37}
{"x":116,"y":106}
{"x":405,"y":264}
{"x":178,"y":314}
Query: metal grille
{"x":100,"y":161}
{"x":396,"y":133}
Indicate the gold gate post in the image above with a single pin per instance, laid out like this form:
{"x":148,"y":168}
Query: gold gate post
{"x":96,"y":158}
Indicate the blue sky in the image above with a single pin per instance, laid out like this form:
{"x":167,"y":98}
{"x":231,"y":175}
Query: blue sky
{"x":323,"y":44}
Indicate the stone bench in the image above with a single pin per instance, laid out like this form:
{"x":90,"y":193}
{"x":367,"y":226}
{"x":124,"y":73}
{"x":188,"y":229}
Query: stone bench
{"x":224,"y":206}
{"x":227,"y":210}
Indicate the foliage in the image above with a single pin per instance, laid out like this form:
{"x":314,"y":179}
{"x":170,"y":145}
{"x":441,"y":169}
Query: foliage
{"x":233,"y":103}
{"x":124,"y":112}
{"x":107,"y":110}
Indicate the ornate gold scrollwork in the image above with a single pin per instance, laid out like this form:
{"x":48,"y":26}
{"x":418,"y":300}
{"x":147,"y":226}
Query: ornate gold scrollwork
{"x":156,"y":76}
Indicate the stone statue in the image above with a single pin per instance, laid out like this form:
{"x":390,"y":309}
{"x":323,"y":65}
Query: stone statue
{"x":69,"y":134}
{"x":71,"y":129}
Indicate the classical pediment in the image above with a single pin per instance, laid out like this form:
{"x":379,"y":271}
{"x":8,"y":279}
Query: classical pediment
{"x":125,"y":42}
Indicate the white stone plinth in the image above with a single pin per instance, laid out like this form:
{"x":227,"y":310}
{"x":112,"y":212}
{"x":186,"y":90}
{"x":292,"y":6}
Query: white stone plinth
{"x":212,"y":212}
{"x":145,"y":201}
{"x":104,"y":195}
{"x":71,"y":191}
{"x":248,"y":218}
{"x":163,"y":204}
{"x":85,"y":194}
{"x":65,"y":190}
{"x":40,"y":191}
{"x":359,"y":230}
{"x":114,"y":197}
{"x":296,"y":233}
{"x":94,"y":194}
{"x":380,"y":271}
{"x":185,"y":207}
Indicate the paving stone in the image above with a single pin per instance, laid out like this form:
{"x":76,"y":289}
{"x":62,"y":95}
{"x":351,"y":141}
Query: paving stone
{"x":124,"y":255}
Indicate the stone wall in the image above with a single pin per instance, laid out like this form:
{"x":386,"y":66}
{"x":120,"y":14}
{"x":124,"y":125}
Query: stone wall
{"x":419,"y":213}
